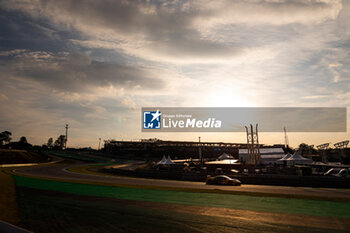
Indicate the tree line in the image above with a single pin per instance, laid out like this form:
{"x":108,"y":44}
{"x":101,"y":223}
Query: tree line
{"x":5,"y":142}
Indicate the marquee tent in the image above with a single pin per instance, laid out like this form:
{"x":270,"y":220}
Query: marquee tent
{"x":287,"y":156}
{"x":168,"y":161}
{"x":163,"y":161}
{"x":298,"y":159}
{"x":225,"y":156}
{"x":284,"y":158}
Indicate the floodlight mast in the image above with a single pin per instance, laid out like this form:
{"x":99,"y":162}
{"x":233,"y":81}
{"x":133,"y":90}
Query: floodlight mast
{"x":323,"y":147}
{"x":341,"y":145}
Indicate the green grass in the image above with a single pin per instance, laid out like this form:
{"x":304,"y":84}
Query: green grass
{"x":267,"y":204}
{"x":47,"y":212}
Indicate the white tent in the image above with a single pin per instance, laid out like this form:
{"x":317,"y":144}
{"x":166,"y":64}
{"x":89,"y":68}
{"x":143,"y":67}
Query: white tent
{"x":225,"y":156}
{"x":163,"y":161}
{"x":298,"y":159}
{"x":284,"y":158}
{"x":287,"y":156}
{"x":168,"y":161}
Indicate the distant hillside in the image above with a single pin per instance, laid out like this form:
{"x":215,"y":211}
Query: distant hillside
{"x":20,"y":156}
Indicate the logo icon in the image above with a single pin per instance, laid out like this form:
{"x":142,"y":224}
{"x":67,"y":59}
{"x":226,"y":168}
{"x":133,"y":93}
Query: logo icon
{"x":151,"y":119}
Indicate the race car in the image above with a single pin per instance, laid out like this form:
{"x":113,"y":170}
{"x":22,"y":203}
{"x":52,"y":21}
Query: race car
{"x":222,"y":180}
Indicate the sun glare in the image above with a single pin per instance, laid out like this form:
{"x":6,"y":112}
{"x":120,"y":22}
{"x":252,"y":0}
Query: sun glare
{"x":225,"y":99}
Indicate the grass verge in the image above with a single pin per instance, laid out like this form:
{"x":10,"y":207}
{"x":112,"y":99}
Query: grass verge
{"x":86,"y":169}
{"x":256,"y":203}
{"x":50,"y":211}
{"x":10,"y":156}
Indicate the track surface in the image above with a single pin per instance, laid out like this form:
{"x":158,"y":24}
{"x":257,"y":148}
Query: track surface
{"x":60,"y":172}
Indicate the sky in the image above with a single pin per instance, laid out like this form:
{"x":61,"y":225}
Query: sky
{"x":94,"y":64}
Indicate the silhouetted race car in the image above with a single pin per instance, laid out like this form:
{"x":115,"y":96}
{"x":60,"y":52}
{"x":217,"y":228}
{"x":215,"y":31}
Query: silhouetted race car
{"x":222,"y":180}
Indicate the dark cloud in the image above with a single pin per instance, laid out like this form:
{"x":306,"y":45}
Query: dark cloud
{"x":76,"y":72}
{"x":170,"y":30}
{"x":21,"y":31}
{"x":165,"y":28}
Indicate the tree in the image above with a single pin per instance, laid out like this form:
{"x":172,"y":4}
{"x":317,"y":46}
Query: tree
{"x":60,"y":142}
{"x":50,"y":143}
{"x":5,"y":137}
{"x":23,"y":140}
{"x":288,"y":150}
{"x":305,"y":149}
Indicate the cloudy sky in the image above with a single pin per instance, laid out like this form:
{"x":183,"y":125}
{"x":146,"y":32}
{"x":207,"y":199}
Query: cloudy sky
{"x":94,"y":64}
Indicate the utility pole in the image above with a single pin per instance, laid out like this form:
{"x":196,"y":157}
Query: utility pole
{"x":200,"y":150}
{"x":65,"y":144}
{"x":99,"y":143}
{"x":286,"y":141}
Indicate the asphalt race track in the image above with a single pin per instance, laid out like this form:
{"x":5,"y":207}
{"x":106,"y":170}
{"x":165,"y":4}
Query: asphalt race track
{"x":60,"y":172}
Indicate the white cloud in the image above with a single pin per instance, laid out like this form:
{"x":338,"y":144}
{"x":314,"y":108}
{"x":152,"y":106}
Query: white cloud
{"x":259,"y":12}
{"x":129,"y":103}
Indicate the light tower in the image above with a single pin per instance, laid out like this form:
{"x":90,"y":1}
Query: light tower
{"x":341,"y":146}
{"x":323,"y":147}
{"x":65,"y":143}
{"x":254,"y":156}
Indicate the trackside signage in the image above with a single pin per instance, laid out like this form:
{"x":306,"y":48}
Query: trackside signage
{"x":171,"y":119}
